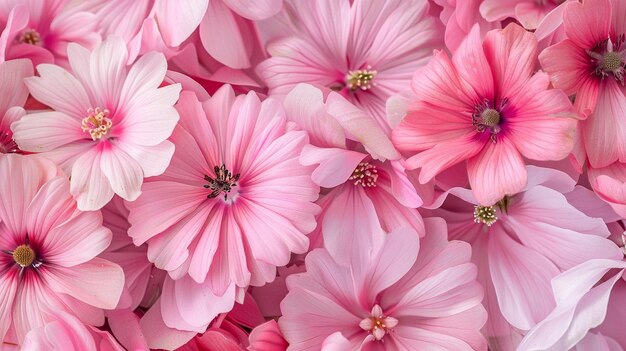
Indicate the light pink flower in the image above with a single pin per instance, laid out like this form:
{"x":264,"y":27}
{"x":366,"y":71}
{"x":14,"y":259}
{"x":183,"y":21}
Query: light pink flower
{"x":389,"y":297}
{"x":590,"y":295}
{"x":48,"y":251}
{"x":110,"y":123}
{"x":356,"y":161}
{"x":459,"y":16}
{"x":14,"y":94}
{"x":528,"y":12}
{"x":233,"y":204}
{"x":364,"y":49}
{"x":526,"y":240}
{"x":68,"y":334}
{"x":487,"y":108}
{"x":41,"y":30}
{"x":590,"y":64}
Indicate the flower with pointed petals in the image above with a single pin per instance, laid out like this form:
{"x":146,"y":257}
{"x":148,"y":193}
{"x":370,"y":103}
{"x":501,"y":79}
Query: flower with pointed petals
{"x":591,"y":64}
{"x":527,"y":240}
{"x":233,"y":204}
{"x":359,"y":166}
{"x":364,"y":49}
{"x":41,"y":30}
{"x":48,"y":251}
{"x":14,"y":94}
{"x":404,"y":293}
{"x":487,"y":108}
{"x":110,"y":123}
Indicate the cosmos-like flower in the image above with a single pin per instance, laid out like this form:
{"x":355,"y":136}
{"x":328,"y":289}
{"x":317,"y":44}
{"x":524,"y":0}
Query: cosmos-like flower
{"x":233,"y":204}
{"x":110,"y":123}
{"x":591,"y":64}
{"x":487,"y":108}
{"x":404,"y":294}
{"x":48,"y":251}
{"x":364,"y":49}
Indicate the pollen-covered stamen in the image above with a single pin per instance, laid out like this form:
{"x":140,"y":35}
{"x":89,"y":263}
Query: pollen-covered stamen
{"x":24,"y":255}
{"x":365,"y":175}
{"x":488,"y":118}
{"x":30,"y":36}
{"x":610,"y":59}
{"x":485,"y":215}
{"x":377,"y":323}
{"x":7,"y":144}
{"x":223,"y":182}
{"x":97,"y":123}
{"x":360,"y":79}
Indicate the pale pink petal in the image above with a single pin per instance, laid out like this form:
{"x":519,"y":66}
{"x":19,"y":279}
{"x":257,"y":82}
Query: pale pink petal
{"x":145,"y":75}
{"x":51,"y":207}
{"x":88,"y":184}
{"x":258,"y":10}
{"x":107,"y":68}
{"x":46,"y":131}
{"x":513,"y":268}
{"x":8,"y":289}
{"x":12,"y":87}
{"x":498,"y":170}
{"x":98,"y":282}
{"x":123,"y":172}
{"x":587,"y":23}
{"x":178,"y":20}
{"x":160,"y":336}
{"x":153,"y":160}
{"x":222,"y":38}
{"x":335,"y":165}
{"x":125,"y":327}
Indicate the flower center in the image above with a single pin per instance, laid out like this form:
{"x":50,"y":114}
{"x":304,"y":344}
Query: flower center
{"x":223,"y":182}
{"x":365,"y":175}
{"x":30,"y":36}
{"x":485,"y":214}
{"x":608,"y":59}
{"x":97,"y":123}
{"x":488,"y":118}
{"x":24,"y":255}
{"x":7,"y":144}
{"x":377,"y":323}
{"x":360,"y":79}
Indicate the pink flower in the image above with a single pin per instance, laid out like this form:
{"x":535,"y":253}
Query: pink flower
{"x":527,"y":240}
{"x":49,"y":251}
{"x":41,"y":30}
{"x":356,"y":161}
{"x":528,"y":12}
{"x":389,"y":297}
{"x":109,"y":126}
{"x":485,"y":106}
{"x":459,"y":16}
{"x":234,"y":203}
{"x":68,"y":334}
{"x":590,"y":64}
{"x":366,"y":50}
{"x":14,"y":94}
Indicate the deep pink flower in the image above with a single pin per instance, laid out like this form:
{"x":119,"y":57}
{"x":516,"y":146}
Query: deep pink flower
{"x":590,"y":64}
{"x":68,"y":334}
{"x":14,"y":94}
{"x":485,"y":106}
{"x":366,"y":50}
{"x":41,"y":30}
{"x":526,"y":240}
{"x":233,"y":204}
{"x":356,"y":161}
{"x":389,"y":297}
{"x":48,"y":251}
{"x":109,"y":126}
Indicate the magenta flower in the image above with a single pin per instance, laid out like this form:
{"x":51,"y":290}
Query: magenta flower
{"x":366,"y":50}
{"x":235,"y":201}
{"x":591,"y":64}
{"x":389,"y":297}
{"x":41,"y":30}
{"x":48,"y":251}
{"x":485,"y":106}
{"x":14,"y":94}
{"x":527,"y":240}
{"x":109,"y":126}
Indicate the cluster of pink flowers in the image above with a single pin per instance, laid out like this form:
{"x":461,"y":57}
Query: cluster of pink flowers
{"x":313,"y":175}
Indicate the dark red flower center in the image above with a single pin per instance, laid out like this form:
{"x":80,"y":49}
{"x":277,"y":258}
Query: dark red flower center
{"x":223,"y":182}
